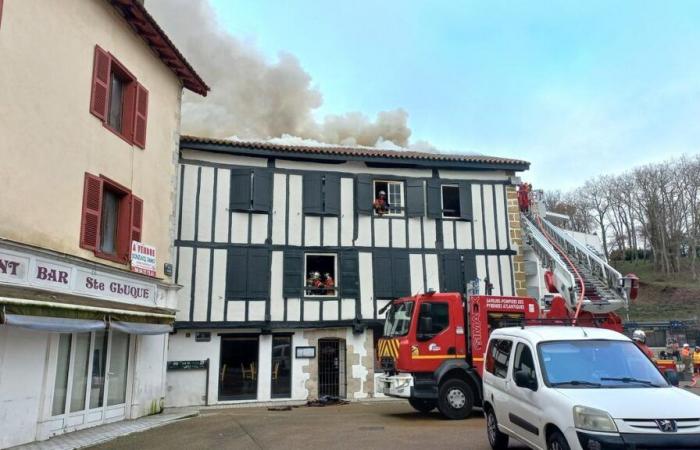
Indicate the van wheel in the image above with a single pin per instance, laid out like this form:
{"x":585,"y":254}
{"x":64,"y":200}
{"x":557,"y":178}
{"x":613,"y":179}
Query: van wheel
{"x":557,"y":441}
{"x":497,"y":440}
{"x":422,"y":405}
{"x":455,"y":399}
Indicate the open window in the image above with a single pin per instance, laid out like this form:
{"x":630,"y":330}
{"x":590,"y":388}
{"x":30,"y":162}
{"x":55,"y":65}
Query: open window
{"x":388,"y":198}
{"x":450,"y":201}
{"x":320,"y":270}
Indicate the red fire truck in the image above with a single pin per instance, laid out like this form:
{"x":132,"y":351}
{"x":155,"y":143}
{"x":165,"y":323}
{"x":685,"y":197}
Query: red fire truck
{"x":433,"y":346}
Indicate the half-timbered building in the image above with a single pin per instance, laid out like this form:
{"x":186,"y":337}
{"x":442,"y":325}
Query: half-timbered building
{"x":288,"y":255}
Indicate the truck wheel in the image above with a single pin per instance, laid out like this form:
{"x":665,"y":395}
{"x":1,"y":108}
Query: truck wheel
{"x":455,"y":399}
{"x":497,"y":440}
{"x":422,"y":405}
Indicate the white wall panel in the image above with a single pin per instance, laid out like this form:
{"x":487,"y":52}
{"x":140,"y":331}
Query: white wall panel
{"x":223,"y":188}
{"x":293,"y":309}
{"x":494,"y":276}
{"x":236,"y":311}
{"x":506,"y":271}
{"x":364,"y":231}
{"x":366,"y":285}
{"x":463,"y":235}
{"x":429,"y":232}
{"x":381,"y":232}
{"x":258,"y":230}
{"x":234,"y":160}
{"x":448,"y":234}
{"x":218,"y":289}
{"x":330,"y":310}
{"x":481,"y":272}
{"x":432,"y":272}
{"x":501,"y":217}
{"x":312,"y":310}
{"x":398,"y":233}
{"x":276,"y":299}
{"x":189,"y":194}
{"x":489,"y":217}
{"x":279,"y":209}
{"x":256,"y":310}
{"x":330,"y":231}
{"x":239,"y":227}
{"x":206,"y":199}
{"x":347,"y":206}
{"x":347,"y":309}
{"x":201,"y":289}
{"x":312,"y":226}
{"x":414,"y":236}
{"x":416,"y":264}
{"x":295,"y":216}
{"x":184,"y":277}
{"x":478,"y":220}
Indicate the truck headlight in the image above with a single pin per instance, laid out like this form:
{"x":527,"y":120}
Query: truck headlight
{"x":593,"y":419}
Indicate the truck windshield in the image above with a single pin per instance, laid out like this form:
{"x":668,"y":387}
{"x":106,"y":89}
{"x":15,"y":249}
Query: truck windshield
{"x":589,"y":364}
{"x":398,"y":319}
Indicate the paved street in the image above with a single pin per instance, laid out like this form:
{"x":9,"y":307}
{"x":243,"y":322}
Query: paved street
{"x":376,"y":425}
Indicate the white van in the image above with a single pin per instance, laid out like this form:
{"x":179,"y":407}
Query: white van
{"x":565,"y":387}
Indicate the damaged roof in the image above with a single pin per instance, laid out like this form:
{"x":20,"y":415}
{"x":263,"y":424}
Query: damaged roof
{"x":320,"y":152}
{"x":146,"y":26}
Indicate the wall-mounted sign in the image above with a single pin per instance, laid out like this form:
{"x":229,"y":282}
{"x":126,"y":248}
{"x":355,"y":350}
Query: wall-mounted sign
{"x":188,"y":365}
{"x":202,"y":336}
{"x":305,"y":352}
{"x":62,"y":275}
{"x":143,"y":259}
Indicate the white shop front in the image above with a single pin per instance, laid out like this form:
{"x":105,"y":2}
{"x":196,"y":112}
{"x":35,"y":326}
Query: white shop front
{"x":81,"y":344}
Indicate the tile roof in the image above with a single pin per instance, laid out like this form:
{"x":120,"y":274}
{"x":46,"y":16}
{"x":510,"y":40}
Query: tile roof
{"x":146,"y":26}
{"x":359,"y":152}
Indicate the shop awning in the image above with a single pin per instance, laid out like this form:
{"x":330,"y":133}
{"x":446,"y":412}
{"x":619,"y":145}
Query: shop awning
{"x":55,"y":324}
{"x":140,"y":328}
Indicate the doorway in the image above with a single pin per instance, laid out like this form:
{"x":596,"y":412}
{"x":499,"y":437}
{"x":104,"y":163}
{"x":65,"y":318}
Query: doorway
{"x":331,"y":368}
{"x":238,"y":368}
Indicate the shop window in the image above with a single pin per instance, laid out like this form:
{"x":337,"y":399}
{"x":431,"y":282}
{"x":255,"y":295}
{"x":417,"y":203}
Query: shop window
{"x":281,"y":366}
{"x":118,"y":99}
{"x":388,"y":198}
{"x":320,"y":270}
{"x":60,"y":389}
{"x":111,"y":218}
{"x":450,"y":201}
{"x":497,"y":357}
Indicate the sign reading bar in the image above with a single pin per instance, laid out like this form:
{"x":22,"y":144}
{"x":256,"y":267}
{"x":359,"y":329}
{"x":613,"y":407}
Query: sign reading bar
{"x":143,"y":259}
{"x":188,"y":365}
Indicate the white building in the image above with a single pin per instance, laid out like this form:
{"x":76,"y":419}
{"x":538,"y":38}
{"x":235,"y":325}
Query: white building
{"x":258,"y":221}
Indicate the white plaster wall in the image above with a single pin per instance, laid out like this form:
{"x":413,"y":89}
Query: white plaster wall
{"x":223,"y":187}
{"x":276,"y":298}
{"x":366,"y":285}
{"x":188,"y":387}
{"x":279,"y":208}
{"x":23,"y":357}
{"x":184,"y":277}
{"x":148,"y":390}
{"x":358,"y":370}
{"x":206,"y":197}
{"x":347,"y":207}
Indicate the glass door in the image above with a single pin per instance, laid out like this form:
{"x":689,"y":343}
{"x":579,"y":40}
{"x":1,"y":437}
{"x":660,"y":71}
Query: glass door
{"x":281,"y":366}
{"x":238,"y":368}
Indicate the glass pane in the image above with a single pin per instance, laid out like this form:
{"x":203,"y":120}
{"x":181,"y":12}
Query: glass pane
{"x":80,"y":372}
{"x":118,"y":364}
{"x":395,"y":201}
{"x":108,"y":235}
{"x":61,"y":383}
{"x":238,"y":368}
{"x":281,"y":366}
{"x":116,"y":94}
{"x":99,"y":359}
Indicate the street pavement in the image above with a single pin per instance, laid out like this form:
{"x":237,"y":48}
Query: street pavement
{"x":368,"y":425}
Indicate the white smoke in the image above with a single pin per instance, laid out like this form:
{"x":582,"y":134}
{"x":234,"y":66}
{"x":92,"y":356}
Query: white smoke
{"x":252,"y":98}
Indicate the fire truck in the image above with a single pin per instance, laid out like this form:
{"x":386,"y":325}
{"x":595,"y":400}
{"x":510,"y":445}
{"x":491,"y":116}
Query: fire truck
{"x":433,"y":344}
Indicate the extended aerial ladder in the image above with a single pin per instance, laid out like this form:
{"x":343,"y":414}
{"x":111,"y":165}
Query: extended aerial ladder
{"x":582,"y":286}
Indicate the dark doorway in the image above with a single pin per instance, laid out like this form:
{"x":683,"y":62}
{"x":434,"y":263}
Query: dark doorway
{"x":281,"y":366}
{"x":331,"y":367}
{"x":238,"y":368}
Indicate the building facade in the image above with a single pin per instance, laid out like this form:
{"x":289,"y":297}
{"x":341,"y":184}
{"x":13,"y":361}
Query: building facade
{"x":288,"y":256}
{"x":89,"y":129}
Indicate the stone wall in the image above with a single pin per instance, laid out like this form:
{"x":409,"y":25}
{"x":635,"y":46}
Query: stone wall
{"x":516,"y":237}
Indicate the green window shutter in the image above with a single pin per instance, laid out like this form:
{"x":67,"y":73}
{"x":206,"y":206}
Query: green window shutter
{"x":382,"y":274}
{"x":240,"y":190}
{"x":293,"y":277}
{"x":401,"y":274}
{"x":313,"y":193}
{"x":363,"y":194}
{"x":415,"y":202}
{"x":465,"y":200}
{"x":451,"y":272}
{"x":434,"y":199}
{"x":236,"y":273}
{"x":258,"y":273}
{"x":469,"y":267}
{"x":331,"y":194}
{"x":262,"y":190}
{"x":349,"y":274}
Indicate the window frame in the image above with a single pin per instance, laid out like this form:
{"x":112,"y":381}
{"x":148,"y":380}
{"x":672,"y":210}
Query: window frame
{"x":128,"y":107}
{"x":432,"y":304}
{"x":123,"y":225}
{"x":336,"y":288}
{"x":442,"y":201}
{"x":517,"y":354}
{"x":402,"y":207}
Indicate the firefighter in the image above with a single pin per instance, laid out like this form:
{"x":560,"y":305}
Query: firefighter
{"x":639,"y":337}
{"x":329,"y":283}
{"x":381,"y":205}
{"x":696,"y":361}
{"x":687,"y":359}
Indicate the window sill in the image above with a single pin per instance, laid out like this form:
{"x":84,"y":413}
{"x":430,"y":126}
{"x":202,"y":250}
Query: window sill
{"x":118,"y":133}
{"x":461,"y":219}
{"x":322,"y":297}
{"x":381,"y":216}
{"x":113,"y":258}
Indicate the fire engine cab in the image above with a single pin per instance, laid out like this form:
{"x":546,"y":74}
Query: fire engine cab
{"x":433,"y":346}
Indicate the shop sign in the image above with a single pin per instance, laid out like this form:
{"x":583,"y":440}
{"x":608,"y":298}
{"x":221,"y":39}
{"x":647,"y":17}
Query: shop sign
{"x":305,"y":352}
{"x":143,"y":259}
{"x":27,"y":269}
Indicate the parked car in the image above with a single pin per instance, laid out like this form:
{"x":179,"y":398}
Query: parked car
{"x":563,"y":387}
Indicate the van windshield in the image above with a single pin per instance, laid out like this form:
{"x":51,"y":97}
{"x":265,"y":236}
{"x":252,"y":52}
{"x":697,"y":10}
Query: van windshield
{"x":597,"y":364}
{"x":398,"y":319}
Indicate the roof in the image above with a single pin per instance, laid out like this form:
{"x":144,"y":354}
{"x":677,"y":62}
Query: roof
{"x":145,"y":26}
{"x":270,"y":149}
{"x":559,"y":333}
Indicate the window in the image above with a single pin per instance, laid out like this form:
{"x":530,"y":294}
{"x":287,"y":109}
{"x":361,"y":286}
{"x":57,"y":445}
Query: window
{"x":524,"y":360}
{"x":281,"y":366}
{"x":440,"y":313}
{"x":251,"y":190}
{"x":118,"y":99}
{"x":497,"y":357}
{"x":388,"y":198}
{"x":111,"y":219}
{"x":320,"y":270}
{"x":450,"y":201}
{"x":248,"y":273}
{"x":321,"y":194}
{"x":391,"y":274}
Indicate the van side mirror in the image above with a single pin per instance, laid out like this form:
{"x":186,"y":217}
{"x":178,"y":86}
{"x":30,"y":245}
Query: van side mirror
{"x":524,"y":379}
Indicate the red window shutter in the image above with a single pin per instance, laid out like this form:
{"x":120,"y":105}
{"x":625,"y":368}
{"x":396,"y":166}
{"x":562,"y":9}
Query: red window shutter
{"x":136,"y":218}
{"x":140,"y":116}
{"x":92,"y":206}
{"x":100,"y":83}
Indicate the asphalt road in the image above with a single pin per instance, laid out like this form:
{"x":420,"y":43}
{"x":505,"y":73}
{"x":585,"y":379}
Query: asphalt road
{"x":372,"y":425}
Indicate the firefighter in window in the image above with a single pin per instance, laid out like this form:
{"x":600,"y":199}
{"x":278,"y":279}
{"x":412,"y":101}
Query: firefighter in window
{"x":314,"y":285}
{"x":381,"y":205}
{"x":329,"y":284}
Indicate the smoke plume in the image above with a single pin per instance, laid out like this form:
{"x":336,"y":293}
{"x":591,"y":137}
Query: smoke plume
{"x":253,"y":98}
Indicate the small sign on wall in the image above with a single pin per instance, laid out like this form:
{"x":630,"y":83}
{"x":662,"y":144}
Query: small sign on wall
{"x":305,"y":352}
{"x":143,"y":259}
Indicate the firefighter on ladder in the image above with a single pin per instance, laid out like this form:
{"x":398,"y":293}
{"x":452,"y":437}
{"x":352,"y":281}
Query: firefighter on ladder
{"x":640,"y":337}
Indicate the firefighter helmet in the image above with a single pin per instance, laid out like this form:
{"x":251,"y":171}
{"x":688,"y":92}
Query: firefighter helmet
{"x":639,"y":335}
